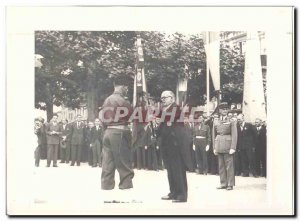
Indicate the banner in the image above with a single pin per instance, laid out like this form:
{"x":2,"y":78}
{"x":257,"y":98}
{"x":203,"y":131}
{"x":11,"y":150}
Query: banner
{"x":212,"y":50}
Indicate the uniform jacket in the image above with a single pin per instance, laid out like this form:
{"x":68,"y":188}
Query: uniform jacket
{"x":77,"y":133}
{"x":203,"y":131}
{"x":110,"y":106}
{"x":246,"y":137}
{"x":53,"y":139}
{"x":224,"y":136}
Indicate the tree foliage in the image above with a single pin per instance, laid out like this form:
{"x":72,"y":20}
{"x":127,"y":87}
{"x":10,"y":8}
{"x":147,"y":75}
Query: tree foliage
{"x":79,"y":66}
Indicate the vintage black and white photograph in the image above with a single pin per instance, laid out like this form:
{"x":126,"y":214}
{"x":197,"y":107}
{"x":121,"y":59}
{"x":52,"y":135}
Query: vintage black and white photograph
{"x":173,"y":120}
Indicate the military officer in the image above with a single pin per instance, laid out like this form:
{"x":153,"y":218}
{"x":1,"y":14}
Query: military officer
{"x":224,"y":144}
{"x":201,"y":142}
{"x":117,"y":138}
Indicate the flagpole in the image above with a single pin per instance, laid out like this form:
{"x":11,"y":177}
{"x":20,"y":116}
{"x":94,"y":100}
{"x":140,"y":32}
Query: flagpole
{"x":207,"y":78}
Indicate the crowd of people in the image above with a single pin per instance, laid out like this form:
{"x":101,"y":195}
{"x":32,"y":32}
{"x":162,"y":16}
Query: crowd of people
{"x":222,"y":144}
{"x":81,"y":141}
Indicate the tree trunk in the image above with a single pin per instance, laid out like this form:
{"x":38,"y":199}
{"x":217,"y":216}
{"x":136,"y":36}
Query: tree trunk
{"x":49,"y":110}
{"x":92,"y":95}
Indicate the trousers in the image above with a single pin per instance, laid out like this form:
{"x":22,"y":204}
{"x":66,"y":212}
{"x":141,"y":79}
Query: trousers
{"x":226,"y":169}
{"x":116,"y":156}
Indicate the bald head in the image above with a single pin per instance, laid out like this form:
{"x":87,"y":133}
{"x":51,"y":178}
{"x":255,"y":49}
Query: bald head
{"x":167,"y":98}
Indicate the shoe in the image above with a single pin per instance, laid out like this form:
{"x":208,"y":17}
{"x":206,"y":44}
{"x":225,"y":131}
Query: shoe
{"x":78,"y":164}
{"x":72,"y":164}
{"x":179,"y":201}
{"x":62,"y":161}
{"x":48,"y":166}
{"x":229,"y":188}
{"x":221,"y":187}
{"x":168,"y":197}
{"x":55,"y":165}
{"x":67,"y":161}
{"x":94,"y":165}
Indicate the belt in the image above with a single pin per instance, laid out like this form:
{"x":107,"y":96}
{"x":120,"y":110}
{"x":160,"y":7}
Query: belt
{"x":120,"y":127}
{"x":223,"y":134}
{"x":200,"y":137}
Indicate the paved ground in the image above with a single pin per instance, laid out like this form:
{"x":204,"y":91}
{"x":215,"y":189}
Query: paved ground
{"x":76,"y":190}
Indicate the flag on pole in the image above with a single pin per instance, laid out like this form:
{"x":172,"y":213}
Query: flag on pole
{"x":212,"y":50}
{"x":253,"y":100}
{"x":139,"y":96}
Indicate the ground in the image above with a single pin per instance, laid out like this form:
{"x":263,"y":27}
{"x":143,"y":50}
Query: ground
{"x":76,"y":190}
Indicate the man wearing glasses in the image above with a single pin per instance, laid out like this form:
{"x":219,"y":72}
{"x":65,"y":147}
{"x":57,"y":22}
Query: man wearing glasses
{"x":175,"y":154}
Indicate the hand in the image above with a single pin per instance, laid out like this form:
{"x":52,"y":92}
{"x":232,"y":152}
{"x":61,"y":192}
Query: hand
{"x":194,"y":147}
{"x":215,"y":152}
{"x":157,"y":147}
{"x":146,"y":147}
{"x":231,"y":151}
{"x":207,"y":148}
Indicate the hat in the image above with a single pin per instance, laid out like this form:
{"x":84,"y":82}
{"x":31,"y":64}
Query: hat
{"x":123,"y":79}
{"x":223,"y":105}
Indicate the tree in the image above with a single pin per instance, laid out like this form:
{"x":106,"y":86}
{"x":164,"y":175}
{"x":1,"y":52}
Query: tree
{"x":232,"y":74}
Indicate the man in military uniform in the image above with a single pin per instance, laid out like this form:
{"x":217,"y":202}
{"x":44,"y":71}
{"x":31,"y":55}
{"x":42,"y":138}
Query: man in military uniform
{"x":117,"y":138}
{"x":224,"y":144}
{"x":201,"y":142}
{"x":176,"y":155}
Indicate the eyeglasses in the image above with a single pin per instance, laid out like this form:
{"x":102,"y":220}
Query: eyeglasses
{"x":164,"y":98}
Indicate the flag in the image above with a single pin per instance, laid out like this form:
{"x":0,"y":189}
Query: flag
{"x":253,"y":96}
{"x":181,"y":89}
{"x":139,"y":96}
{"x":212,"y":50}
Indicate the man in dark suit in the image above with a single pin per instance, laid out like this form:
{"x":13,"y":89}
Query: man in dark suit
{"x":38,"y":125}
{"x":261,"y":148}
{"x":89,"y":143}
{"x":53,"y":131}
{"x":77,"y":139}
{"x":224,"y":144}
{"x":97,"y":135}
{"x":176,"y":156}
{"x":201,"y":142}
{"x":246,"y":144}
{"x":65,"y":142}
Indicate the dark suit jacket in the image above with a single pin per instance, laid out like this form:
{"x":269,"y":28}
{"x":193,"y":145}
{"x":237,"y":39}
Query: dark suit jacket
{"x":77,"y":134}
{"x":66,"y":131}
{"x":246,"y":137}
{"x":54,"y":138}
{"x":172,"y":138}
{"x":97,"y":135}
{"x":261,"y":138}
{"x":88,"y":135}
